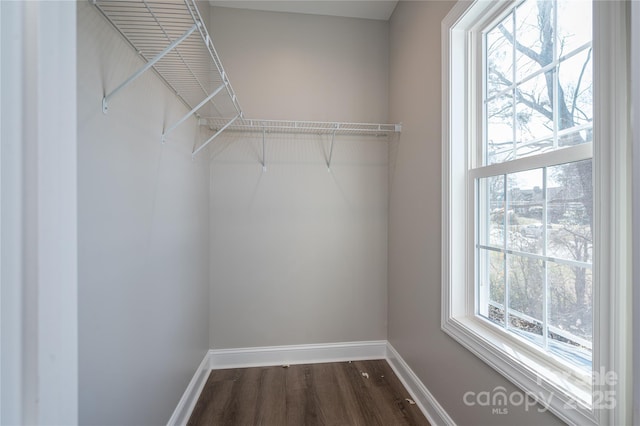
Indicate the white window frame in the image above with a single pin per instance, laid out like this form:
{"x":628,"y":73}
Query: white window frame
{"x":528,"y":368}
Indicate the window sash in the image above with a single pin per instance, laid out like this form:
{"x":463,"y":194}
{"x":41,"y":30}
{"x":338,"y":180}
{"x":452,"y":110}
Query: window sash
{"x":560,"y":156}
{"x":480,"y":295}
{"x":479,"y":51}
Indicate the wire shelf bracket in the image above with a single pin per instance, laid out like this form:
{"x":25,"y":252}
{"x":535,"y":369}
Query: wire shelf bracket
{"x":172,"y":39}
{"x":333,"y":138}
{"x":105,"y":100}
{"x":264,"y":152}
{"x":215,"y":135}
{"x":193,"y":111}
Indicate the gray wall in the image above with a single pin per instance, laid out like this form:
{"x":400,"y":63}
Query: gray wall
{"x":143,"y":239}
{"x":445,"y":367}
{"x":298,"y":254}
{"x":304,"y":67}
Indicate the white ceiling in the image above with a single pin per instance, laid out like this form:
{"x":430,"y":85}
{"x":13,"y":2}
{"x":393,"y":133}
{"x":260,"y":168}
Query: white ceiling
{"x":367,"y":9}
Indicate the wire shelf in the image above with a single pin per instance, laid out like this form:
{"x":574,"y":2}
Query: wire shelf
{"x":302,"y":127}
{"x":171,"y":37}
{"x":192,"y":68}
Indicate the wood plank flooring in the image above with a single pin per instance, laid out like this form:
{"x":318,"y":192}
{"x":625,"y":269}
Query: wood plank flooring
{"x":308,"y":394}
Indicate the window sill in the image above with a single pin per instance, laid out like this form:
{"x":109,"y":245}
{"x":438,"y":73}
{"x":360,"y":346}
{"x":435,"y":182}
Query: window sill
{"x":568,"y":396}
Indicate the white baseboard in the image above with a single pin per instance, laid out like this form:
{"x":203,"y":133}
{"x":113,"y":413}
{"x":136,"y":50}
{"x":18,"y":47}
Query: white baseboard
{"x":428,"y":404}
{"x":297,"y":354}
{"x":217,"y":359}
{"x":183,"y":411}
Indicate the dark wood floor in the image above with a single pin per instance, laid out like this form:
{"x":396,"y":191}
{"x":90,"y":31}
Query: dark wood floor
{"x":309,"y":394}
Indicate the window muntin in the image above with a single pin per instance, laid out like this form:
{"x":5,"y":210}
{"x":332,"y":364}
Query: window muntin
{"x":534,"y":223}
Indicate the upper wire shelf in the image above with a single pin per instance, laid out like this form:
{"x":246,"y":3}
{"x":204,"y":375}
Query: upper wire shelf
{"x":171,"y":37}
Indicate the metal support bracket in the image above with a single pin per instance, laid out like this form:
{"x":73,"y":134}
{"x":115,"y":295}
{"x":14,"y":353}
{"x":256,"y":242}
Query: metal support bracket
{"x":264,"y":153}
{"x":190,"y":113}
{"x":215,"y":135}
{"x":333,"y":138}
{"x":105,"y":100}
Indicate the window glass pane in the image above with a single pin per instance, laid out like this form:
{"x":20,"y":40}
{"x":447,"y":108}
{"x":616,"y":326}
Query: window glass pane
{"x":575,"y":137}
{"x":491,"y":270}
{"x":491,"y":193}
{"x":574,"y":25}
{"x":499,"y":129}
{"x":571,"y":312}
{"x":570,"y":211}
{"x":571,"y":308}
{"x":499,"y":60}
{"x":525,"y":288}
{"x":534,"y":37}
{"x":525,"y":204}
{"x":576,"y":95}
{"x":496,"y":278}
{"x":534,"y":114}
{"x":534,"y":147}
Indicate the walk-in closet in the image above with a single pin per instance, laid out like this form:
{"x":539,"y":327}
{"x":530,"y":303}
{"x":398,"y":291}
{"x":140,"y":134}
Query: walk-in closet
{"x":240,"y":212}
{"x":233,"y":192}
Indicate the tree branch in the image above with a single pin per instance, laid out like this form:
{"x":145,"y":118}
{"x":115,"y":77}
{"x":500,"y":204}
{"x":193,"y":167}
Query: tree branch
{"x":534,"y":105}
{"x":521,"y":98}
{"x":577,"y":89}
{"x":522,"y":49}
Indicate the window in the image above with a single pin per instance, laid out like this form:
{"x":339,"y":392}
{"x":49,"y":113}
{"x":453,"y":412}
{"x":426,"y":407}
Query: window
{"x":534,"y":225}
{"x":535,"y":216}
